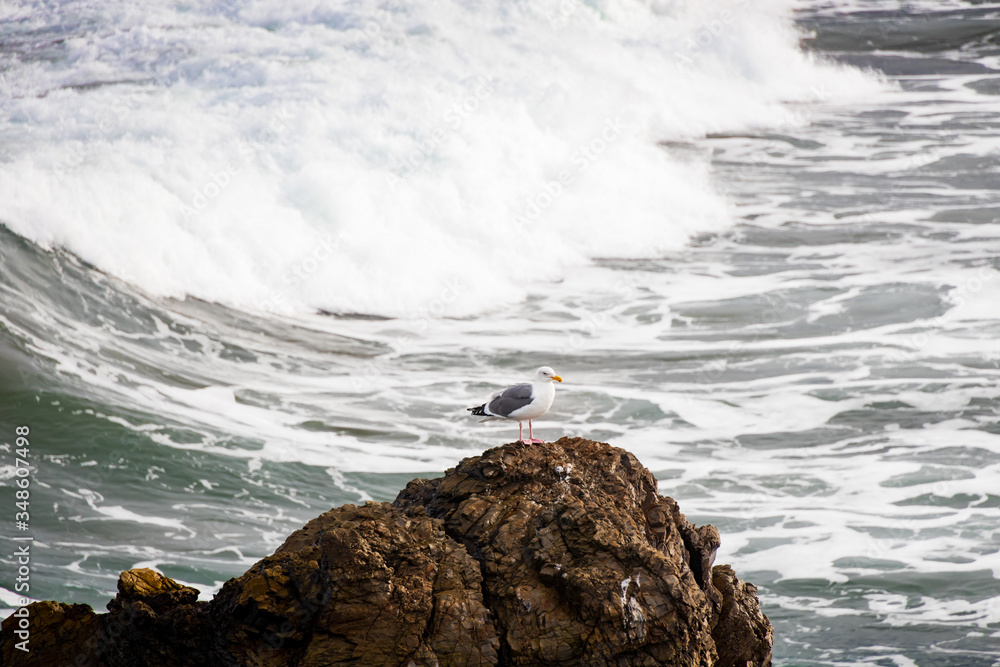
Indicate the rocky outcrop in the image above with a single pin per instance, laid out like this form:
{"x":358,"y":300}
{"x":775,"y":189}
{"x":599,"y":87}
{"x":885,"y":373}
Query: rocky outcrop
{"x":153,"y":621}
{"x":369,"y":585}
{"x":151,"y":589}
{"x":555,"y":554}
{"x":743,"y":633}
{"x":56,"y":633}
{"x":584,"y":563}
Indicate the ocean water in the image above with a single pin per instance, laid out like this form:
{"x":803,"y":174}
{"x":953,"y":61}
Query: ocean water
{"x":256,"y":260}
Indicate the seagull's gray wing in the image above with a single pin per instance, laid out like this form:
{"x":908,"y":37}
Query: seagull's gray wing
{"x":510,"y":399}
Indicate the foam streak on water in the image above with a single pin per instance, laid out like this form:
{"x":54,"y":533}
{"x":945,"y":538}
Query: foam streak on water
{"x":777,"y":286}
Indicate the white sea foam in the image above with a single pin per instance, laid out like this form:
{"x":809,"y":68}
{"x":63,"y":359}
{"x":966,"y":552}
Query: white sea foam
{"x":9,"y":597}
{"x":391,"y":158}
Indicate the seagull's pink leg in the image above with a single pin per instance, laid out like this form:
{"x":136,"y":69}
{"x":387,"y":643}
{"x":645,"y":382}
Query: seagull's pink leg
{"x":520,"y":432}
{"x":531,"y":436}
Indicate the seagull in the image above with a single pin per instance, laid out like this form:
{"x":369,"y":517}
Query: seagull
{"x":524,"y":401}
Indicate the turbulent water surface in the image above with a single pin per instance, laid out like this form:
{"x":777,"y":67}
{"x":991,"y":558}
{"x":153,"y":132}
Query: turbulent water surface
{"x":256,"y":259}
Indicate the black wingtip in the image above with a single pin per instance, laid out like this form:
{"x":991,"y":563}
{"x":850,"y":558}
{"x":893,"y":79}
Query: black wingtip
{"x":480,"y":410}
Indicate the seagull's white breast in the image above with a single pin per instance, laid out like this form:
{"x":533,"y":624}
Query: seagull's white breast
{"x":542,"y":395}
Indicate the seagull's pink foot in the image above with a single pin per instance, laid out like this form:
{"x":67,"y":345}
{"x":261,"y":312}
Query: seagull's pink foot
{"x":531,"y":436}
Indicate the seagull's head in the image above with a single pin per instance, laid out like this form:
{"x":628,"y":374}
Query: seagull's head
{"x":546,"y":374}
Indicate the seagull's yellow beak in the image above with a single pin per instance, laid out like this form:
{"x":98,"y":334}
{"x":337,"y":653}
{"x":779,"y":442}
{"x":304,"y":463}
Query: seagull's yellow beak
{"x":557,"y":378}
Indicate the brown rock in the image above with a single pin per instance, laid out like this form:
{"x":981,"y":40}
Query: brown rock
{"x":150,"y":587}
{"x":742,"y":631}
{"x":583,"y":562}
{"x":56,"y":634}
{"x":556,"y":554}
{"x":370,"y":585}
